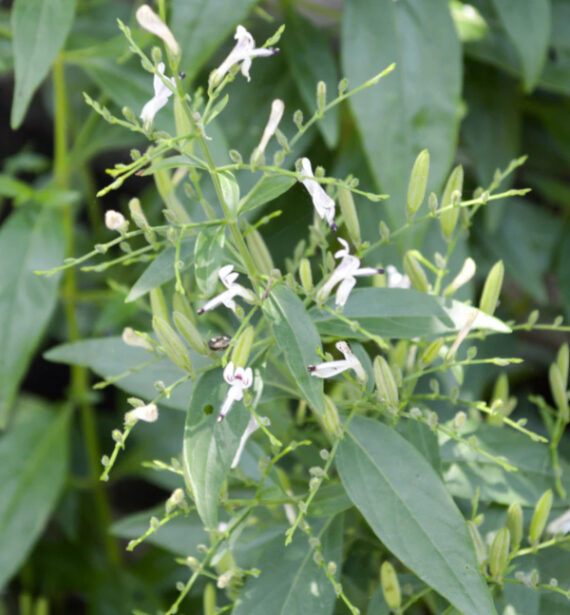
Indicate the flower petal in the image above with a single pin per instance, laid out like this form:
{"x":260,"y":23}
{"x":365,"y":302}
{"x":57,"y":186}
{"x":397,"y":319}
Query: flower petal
{"x":343,"y":290}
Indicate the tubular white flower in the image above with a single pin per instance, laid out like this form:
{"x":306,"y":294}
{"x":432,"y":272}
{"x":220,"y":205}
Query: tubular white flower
{"x":130,"y":338}
{"x":238,"y":379}
{"x":161,"y":95}
{"x":252,"y":427}
{"x":344,"y":275}
{"x":228,"y":278}
{"x":277,"y":108}
{"x":560,"y":526}
{"x":148,"y":413}
{"x":115,"y":221}
{"x":243,"y":51}
{"x":151,"y":22}
{"x":395,"y":279}
{"x":323,"y":203}
{"x":333,"y":368}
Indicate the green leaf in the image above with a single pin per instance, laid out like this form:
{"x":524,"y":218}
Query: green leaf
{"x":407,"y":506}
{"x":527,"y":23}
{"x":298,"y":340}
{"x":39,"y":31}
{"x":290,"y":582}
{"x":330,"y":500}
{"x":208,"y":258}
{"x":416,"y":107}
{"x":266,"y":189}
{"x":34,"y":462}
{"x":310,"y":59}
{"x":209,"y":446}
{"x":200,"y":26}
{"x":161,"y":270}
{"x":401,"y":313}
{"x":110,"y":356}
{"x":30,"y":240}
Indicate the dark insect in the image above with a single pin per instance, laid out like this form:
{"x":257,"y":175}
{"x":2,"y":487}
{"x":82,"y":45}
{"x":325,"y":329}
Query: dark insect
{"x":219,"y":342}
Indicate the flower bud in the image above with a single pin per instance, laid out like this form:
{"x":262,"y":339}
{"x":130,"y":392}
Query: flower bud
{"x":449,"y":217}
{"x":466,"y":273}
{"x":298,"y":118}
{"x":210,"y":607}
{"x":390,"y":586}
{"x":499,"y":554}
{"x":305,"y":275}
{"x":158,"y":303}
{"x":540,"y":517}
{"x":558,"y":391}
{"x":349,"y":213}
{"x":115,"y":221}
{"x":415,"y":271}
{"x":385,"y":384}
{"x":172,"y":344}
{"x":562,"y":361}
{"x":147,"y":413}
{"x":131,"y":338}
{"x":342,"y":86}
{"x":478,"y":544}
{"x":259,"y":252}
{"x":515,"y":524}
{"x":151,"y":22}
{"x":242,"y":348}
{"x":321,"y":96}
{"x":331,"y":420}
{"x":417,"y":184}
{"x":189,"y":332}
{"x":492,"y":288}
{"x":384,"y":231}
{"x":182,"y":305}
{"x":431,"y":352}
{"x":137,"y":214}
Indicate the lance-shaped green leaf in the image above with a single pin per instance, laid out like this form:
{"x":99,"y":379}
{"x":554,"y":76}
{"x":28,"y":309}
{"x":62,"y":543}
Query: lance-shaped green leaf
{"x":34,"y":460}
{"x":401,"y":313}
{"x":291,"y":583}
{"x":267,"y":189}
{"x":298,"y":340}
{"x":208,"y":258}
{"x":30,"y":240}
{"x":406,"y":504}
{"x":39,"y":32}
{"x":209,"y":445}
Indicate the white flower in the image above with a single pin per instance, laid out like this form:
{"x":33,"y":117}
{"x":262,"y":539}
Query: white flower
{"x":148,"y":413}
{"x":115,"y":221}
{"x":395,"y":279}
{"x":161,"y":95}
{"x":277,"y":108}
{"x":228,"y":278}
{"x":560,"y":526}
{"x":239,"y":379}
{"x":150,"y":21}
{"x":131,"y":338}
{"x":243,"y":51}
{"x":252,"y":426}
{"x":344,"y":274}
{"x":323,"y":203}
{"x":332,"y":368}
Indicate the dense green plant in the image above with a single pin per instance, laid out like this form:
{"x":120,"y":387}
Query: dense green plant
{"x":403,"y":477}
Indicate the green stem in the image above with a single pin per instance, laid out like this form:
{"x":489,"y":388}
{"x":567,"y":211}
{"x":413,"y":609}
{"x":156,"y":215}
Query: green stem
{"x":79,"y":386}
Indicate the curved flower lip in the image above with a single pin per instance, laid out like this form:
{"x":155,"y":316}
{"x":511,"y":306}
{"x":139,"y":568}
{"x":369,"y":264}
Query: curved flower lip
{"x":328,"y":369}
{"x":345,"y":276}
{"x":243,"y":51}
{"x":324,"y":205}
{"x":161,"y":95}
{"x":228,"y":278}
{"x":239,"y":379}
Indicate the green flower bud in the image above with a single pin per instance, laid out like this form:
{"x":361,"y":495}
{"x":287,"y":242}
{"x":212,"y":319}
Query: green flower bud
{"x":384,"y":231}
{"x":298,"y":118}
{"x":172,"y":344}
{"x":259,"y":252}
{"x":390,"y":586}
{"x":137,"y":214}
{"x":540,"y":517}
{"x":331,"y":419}
{"x":558,"y":391}
{"x":385,"y":384}
{"x":242,"y":347}
{"x":189,"y":332}
{"x":499,"y":553}
{"x":415,"y":271}
{"x":492,"y":288}
{"x":182,"y":305}
{"x":478,"y":544}
{"x":431,"y":352}
{"x":449,"y":217}
{"x":342,"y":86}
{"x":210,"y":607}
{"x":321,"y":96}
{"x":432,"y":203}
{"x":562,"y":361}
{"x":305,"y":275}
{"x":349,"y":214}
{"x":417,"y":184}
{"x":158,"y":304}
{"x":515,"y":524}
